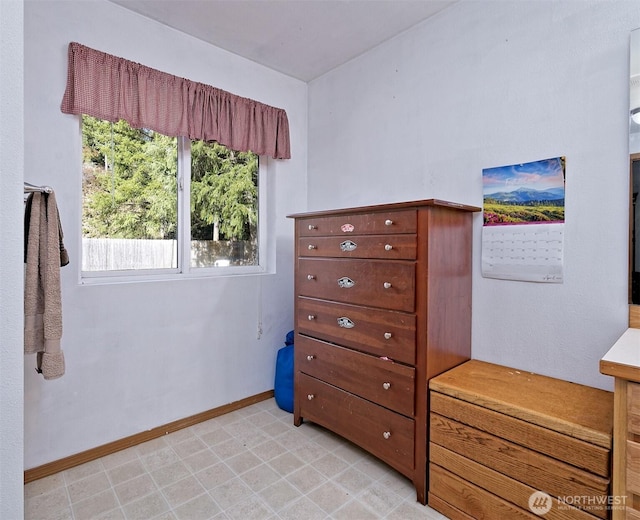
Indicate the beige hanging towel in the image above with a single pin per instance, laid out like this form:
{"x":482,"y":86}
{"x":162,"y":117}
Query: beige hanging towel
{"x":42,"y":295}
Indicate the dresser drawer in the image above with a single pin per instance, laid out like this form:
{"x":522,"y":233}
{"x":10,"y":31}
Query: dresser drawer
{"x":633,"y":467}
{"x":388,"y":247}
{"x":385,"y":434}
{"x":387,"y":383}
{"x":375,"y":283}
{"x":376,"y":331}
{"x":375,"y":223}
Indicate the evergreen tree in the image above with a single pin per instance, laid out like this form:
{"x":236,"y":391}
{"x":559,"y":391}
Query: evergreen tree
{"x":130,"y":186}
{"x":224,"y":192}
{"x":129,"y":181}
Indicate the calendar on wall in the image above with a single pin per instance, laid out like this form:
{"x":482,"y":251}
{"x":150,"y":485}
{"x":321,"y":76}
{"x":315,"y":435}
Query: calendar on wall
{"x":523,"y":229}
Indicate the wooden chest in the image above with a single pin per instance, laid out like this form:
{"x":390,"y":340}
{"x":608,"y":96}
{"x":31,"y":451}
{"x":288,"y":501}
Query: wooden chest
{"x":505,"y":443}
{"x":383,"y":303}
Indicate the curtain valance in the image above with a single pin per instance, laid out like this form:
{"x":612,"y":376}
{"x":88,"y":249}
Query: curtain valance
{"x":107,"y":87}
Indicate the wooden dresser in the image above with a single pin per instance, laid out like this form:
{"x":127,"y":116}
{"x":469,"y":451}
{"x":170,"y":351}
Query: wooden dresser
{"x":623,"y":363}
{"x":506,"y":443}
{"x":383,"y":303}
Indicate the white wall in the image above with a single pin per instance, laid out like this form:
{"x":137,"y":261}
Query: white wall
{"x":11,"y":245}
{"x":487,"y":84}
{"x":140,"y":355}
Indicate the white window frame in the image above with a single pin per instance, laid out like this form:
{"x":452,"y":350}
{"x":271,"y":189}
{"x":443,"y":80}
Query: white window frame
{"x":184,"y":269}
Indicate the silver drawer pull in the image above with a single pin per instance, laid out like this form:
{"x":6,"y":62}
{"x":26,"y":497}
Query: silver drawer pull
{"x":386,"y":435}
{"x":345,"y":322}
{"x":312,"y":247}
{"x":347,"y":246}
{"x":311,"y":277}
{"x":387,"y":335}
{"x":386,"y":385}
{"x":311,"y":317}
{"x":388,"y":247}
{"x":388,"y":222}
{"x":312,"y":227}
{"x":310,"y":357}
{"x":345,"y":282}
{"x":310,"y":396}
{"x":387,"y":285}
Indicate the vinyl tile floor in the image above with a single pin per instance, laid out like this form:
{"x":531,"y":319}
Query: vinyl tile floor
{"x":250,"y":464}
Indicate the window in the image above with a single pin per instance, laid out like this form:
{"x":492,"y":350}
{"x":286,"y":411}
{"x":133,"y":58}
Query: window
{"x":144,"y":193}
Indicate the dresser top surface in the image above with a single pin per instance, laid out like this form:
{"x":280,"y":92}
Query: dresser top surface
{"x":623,"y":358}
{"x":576,"y":410}
{"x":389,"y":207}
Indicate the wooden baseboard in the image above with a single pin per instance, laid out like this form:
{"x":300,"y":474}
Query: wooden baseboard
{"x":107,"y":449}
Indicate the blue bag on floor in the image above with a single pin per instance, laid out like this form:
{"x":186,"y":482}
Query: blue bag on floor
{"x":283,"y":388}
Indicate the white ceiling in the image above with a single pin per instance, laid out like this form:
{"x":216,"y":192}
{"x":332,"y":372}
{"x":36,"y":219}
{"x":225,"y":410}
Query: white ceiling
{"x":301,"y":38}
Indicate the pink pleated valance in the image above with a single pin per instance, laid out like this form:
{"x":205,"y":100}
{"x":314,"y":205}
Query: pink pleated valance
{"x":112,"y":88}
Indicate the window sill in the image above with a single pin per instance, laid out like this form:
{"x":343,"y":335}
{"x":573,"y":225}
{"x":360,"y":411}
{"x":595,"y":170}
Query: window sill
{"x":168,"y":276}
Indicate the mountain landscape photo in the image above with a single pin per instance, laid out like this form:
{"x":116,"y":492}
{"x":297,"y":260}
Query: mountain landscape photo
{"x":525,"y":193}
{"x":524,"y":206}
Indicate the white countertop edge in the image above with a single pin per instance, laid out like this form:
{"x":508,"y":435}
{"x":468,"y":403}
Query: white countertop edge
{"x":626,"y":350}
